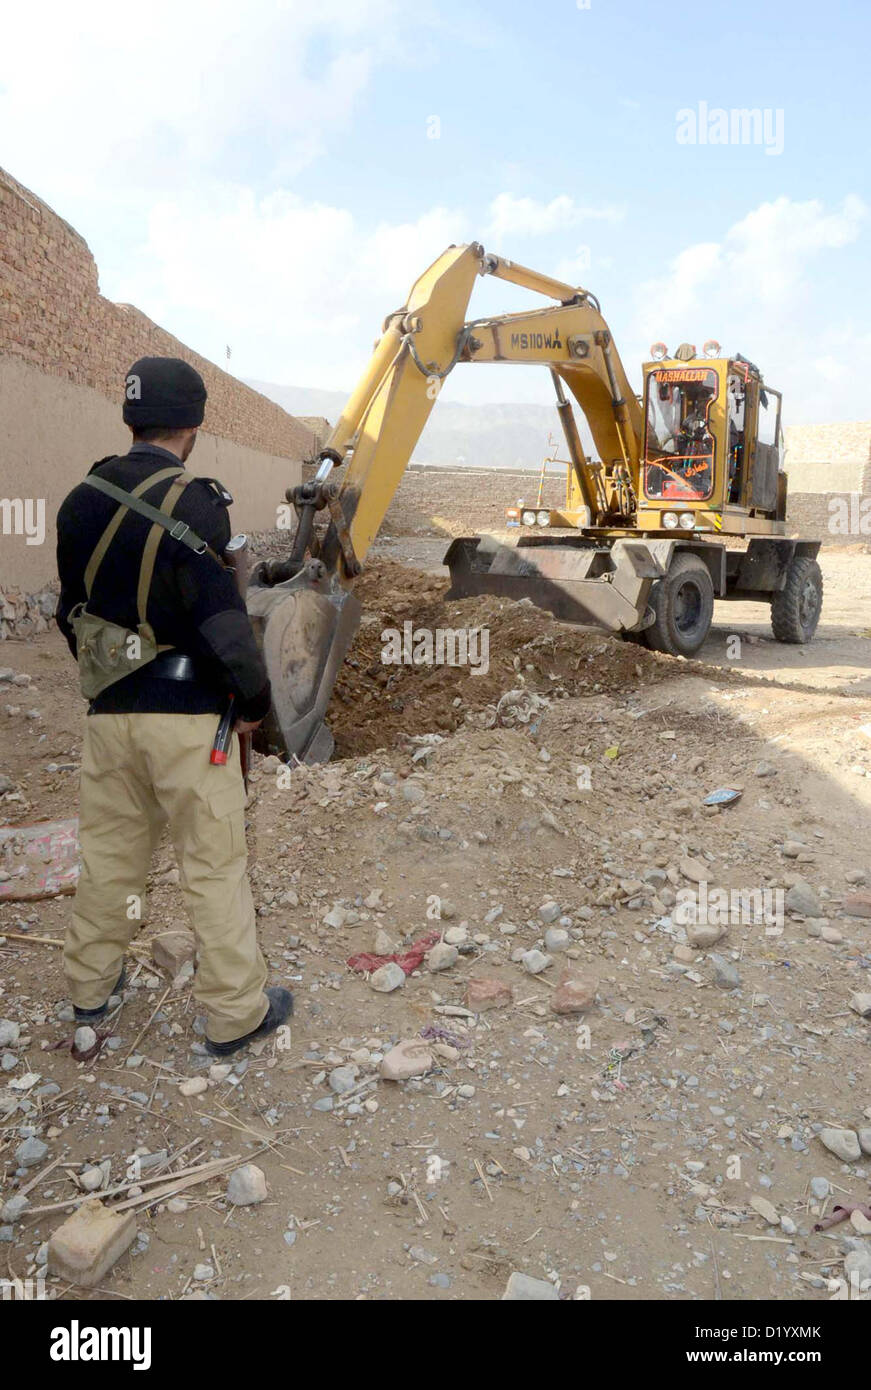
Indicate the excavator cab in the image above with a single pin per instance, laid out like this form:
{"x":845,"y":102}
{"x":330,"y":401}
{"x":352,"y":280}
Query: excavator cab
{"x":713,"y":446}
{"x":679,"y":444}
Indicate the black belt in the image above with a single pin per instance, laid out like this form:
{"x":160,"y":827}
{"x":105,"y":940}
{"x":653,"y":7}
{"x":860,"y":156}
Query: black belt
{"x":172,"y":666}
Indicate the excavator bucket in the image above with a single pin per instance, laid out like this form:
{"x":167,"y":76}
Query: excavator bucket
{"x":304,"y":627}
{"x":577,"y":580}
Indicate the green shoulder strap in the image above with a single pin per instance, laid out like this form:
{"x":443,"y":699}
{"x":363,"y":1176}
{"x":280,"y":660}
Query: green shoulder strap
{"x":108,"y":535}
{"x":161,"y":519}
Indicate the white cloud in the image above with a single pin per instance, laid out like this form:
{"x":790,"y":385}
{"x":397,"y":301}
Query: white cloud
{"x":756,"y":291}
{"x":518,"y":217}
{"x":137,"y":96}
{"x":296,"y":288}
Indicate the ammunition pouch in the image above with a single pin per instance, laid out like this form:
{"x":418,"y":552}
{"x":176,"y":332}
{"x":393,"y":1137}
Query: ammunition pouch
{"x":108,"y":652}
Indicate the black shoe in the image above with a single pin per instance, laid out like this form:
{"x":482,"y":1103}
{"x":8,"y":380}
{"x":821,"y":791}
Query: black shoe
{"x":279,"y":1011}
{"x":87,"y":1015}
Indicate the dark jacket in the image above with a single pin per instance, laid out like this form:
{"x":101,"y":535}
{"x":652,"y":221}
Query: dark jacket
{"x":193,"y":603}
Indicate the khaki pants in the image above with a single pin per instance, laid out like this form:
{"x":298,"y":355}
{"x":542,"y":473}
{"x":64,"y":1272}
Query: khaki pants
{"x":140,"y":772}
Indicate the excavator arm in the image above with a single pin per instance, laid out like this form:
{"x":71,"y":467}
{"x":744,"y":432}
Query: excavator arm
{"x":303,"y":607}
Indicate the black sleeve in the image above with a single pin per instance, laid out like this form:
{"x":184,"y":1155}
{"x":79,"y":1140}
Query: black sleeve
{"x":220,"y":629}
{"x":72,"y":585}
{"x":221,"y":634}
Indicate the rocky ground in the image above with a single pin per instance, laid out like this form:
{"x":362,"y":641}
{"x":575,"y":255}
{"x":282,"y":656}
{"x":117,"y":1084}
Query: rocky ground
{"x":606,"y":1095}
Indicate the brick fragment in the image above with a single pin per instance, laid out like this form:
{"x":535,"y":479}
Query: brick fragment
{"x":89,"y":1242}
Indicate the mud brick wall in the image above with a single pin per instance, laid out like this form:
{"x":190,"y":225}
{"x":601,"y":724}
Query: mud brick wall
{"x":53,"y":316}
{"x":64,"y":352}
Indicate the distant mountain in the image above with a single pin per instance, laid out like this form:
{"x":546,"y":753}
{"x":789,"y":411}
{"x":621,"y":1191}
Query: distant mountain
{"x":490,"y":436}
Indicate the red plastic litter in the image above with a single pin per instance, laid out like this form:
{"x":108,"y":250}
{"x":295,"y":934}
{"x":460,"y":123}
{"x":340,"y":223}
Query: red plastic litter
{"x":409,"y":960}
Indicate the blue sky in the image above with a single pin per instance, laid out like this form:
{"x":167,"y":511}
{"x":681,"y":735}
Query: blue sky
{"x":262,"y":176}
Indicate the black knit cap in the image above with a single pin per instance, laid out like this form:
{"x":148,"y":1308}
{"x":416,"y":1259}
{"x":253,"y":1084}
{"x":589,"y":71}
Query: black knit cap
{"x":163,"y":391}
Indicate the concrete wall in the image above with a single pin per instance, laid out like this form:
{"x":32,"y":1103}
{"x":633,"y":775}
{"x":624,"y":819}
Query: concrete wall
{"x":834,"y":476}
{"x":841,"y":518}
{"x":829,"y":458}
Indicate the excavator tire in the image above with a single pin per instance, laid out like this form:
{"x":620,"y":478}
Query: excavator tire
{"x":683,"y":605}
{"x":795,"y":610}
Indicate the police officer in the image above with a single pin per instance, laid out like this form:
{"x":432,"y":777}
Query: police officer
{"x":163,"y":641}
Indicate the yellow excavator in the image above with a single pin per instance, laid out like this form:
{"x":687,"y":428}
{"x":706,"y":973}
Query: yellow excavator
{"x":685,"y":503}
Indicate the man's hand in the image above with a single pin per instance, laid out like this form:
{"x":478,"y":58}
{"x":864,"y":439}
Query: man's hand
{"x":246,"y":726}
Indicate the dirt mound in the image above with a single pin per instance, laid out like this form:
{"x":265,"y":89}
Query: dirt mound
{"x":378,"y":701}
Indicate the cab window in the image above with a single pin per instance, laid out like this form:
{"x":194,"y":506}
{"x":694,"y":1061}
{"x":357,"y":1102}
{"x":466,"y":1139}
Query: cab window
{"x":679,"y":442}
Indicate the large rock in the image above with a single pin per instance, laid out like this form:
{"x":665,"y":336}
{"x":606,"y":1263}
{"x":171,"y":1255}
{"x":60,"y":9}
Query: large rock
{"x":14,"y":1208}
{"x":860,"y":1003}
{"x":535,"y":961}
{"x":387,"y":978}
{"x":384,"y":945}
{"x":193,"y":1086}
{"x":725,"y":973}
{"x":343,"y":1079}
{"x":85,"y":1247}
{"x":441,"y":956}
{"x":483,"y":993}
{"x":844,"y":1143}
{"x":801,"y":898}
{"x":702,"y":936}
{"x":173,"y":949}
{"x":247,"y":1186}
{"x":857,"y":1267}
{"x":858,"y":905}
{"x":695,"y":870}
{"x":557,"y":939}
{"x":574,"y":994}
{"x":411,"y":1057}
{"x":30,"y":1152}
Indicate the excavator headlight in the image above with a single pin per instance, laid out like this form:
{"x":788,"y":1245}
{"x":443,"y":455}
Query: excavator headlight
{"x":669,"y":521}
{"x":543,"y":518}
{"x":686,"y":521}
{"x":528,"y":518}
